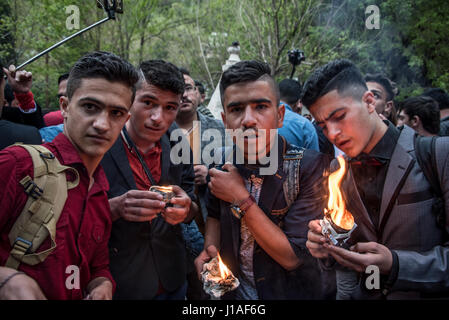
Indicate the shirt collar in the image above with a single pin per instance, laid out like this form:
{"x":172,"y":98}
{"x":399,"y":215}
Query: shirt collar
{"x":69,"y":156}
{"x":385,"y":147}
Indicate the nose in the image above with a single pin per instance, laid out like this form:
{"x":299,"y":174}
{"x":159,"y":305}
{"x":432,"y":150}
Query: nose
{"x":248,"y":121}
{"x":101,"y":122}
{"x":156,"y":115}
{"x":333,"y":131}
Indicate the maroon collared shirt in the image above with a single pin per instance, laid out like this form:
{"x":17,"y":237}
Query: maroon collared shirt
{"x":82,"y":231}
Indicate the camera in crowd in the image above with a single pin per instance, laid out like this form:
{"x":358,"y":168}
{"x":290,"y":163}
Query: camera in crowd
{"x":296,"y":56}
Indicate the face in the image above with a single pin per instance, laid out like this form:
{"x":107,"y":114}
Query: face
{"x":62,"y":88}
{"x":251,"y":107}
{"x":380,"y":95}
{"x":152,"y":114}
{"x":191,"y":97}
{"x":95,"y":115}
{"x":403,"y":118}
{"x":347,"y":123}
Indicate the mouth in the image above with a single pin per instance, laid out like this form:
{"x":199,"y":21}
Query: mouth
{"x":343,"y":144}
{"x":100,"y":139}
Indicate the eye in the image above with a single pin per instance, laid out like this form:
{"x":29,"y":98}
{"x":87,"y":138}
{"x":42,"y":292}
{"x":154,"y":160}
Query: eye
{"x":89,"y":107}
{"x":261,"y":107}
{"x":117,"y":113}
{"x":236,"y":109}
{"x":171,"y":108}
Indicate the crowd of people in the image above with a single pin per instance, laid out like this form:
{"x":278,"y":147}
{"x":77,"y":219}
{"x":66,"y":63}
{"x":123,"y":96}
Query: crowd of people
{"x":76,"y":184}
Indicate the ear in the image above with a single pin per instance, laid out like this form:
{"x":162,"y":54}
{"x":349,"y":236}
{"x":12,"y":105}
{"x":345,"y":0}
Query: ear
{"x":368,"y":98}
{"x":280,"y":113}
{"x":223,"y":117}
{"x":64,"y":105}
{"x":415,"y":122}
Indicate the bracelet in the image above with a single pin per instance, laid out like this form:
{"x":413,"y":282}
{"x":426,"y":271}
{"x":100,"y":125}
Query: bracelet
{"x":10,"y":277}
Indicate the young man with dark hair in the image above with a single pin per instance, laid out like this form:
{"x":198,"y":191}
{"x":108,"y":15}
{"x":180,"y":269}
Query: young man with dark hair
{"x":201,"y":97}
{"x":441,"y":96}
{"x":383,"y":92}
{"x":296,"y":129}
{"x":95,"y":110}
{"x":55,"y":118}
{"x":148,"y":253}
{"x":258,"y":219}
{"x":421,"y":114}
{"x":384,"y":189}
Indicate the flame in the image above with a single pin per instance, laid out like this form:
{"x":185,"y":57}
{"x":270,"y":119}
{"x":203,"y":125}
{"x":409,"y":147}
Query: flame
{"x":165,"y":189}
{"x":336,"y":207}
{"x":224,"y":271}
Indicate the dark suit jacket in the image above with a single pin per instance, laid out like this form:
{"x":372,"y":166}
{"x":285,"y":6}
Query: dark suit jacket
{"x":143,"y":253}
{"x":11,"y":133}
{"x":411,"y":229}
{"x":272,"y":280}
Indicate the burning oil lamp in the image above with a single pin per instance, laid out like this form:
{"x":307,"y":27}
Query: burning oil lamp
{"x":217,"y":278}
{"x":338,"y":223}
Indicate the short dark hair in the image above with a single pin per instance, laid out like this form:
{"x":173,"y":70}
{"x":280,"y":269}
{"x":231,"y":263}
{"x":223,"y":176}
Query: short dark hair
{"x":200,"y":86}
{"x":63,"y":77}
{"x":440,"y":96}
{"x":341,"y":75}
{"x":426,"y":109}
{"x":101,"y":64}
{"x":184,"y":71}
{"x":162,"y":74}
{"x":248,"y":71}
{"x":383,"y":81}
{"x":290,"y":91}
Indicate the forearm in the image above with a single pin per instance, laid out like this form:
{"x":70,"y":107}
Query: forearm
{"x":95,"y":282}
{"x":271,"y":238}
{"x":114,"y":204}
{"x":193,"y":211}
{"x":212,"y":236}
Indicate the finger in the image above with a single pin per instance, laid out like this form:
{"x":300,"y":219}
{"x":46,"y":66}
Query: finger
{"x":229,"y":167}
{"x":346,"y":263}
{"x":144,"y":194}
{"x":137,"y":218}
{"x":12,"y":69}
{"x":365,"y":247}
{"x":350,"y":256}
{"x":141,"y":204}
{"x":315,"y":226}
{"x":316,"y":237}
{"x":212,"y":251}
{"x":179,"y":192}
{"x":213,"y":172}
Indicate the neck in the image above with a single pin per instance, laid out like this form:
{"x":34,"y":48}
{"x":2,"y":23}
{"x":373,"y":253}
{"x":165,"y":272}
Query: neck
{"x":143,"y":145}
{"x":444,"y":113}
{"x":185,"y":120}
{"x":379,"y":131}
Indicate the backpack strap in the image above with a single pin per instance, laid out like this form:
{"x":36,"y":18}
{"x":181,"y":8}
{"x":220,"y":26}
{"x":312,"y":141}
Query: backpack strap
{"x":47,"y":194}
{"x":426,"y":156}
{"x":291,"y":166}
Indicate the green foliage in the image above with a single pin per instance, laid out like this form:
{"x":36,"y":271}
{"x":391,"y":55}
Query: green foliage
{"x":411,"y":46}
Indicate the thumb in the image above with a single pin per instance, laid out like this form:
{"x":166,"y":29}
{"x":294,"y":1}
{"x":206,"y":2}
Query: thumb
{"x":364,"y":247}
{"x":229,"y":167}
{"x":212,"y":251}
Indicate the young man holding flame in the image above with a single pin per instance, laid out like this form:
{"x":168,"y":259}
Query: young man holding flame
{"x":259,"y":230}
{"x":384,"y":189}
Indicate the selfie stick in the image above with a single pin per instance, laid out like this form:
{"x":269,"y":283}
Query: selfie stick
{"x":111,"y":15}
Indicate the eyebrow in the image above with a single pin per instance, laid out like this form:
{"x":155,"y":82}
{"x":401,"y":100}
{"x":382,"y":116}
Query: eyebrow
{"x":90,"y":99}
{"x":330,"y":115}
{"x":149,"y":96}
{"x":238,"y":103}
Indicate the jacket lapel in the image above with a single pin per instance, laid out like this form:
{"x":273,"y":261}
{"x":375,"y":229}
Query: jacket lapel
{"x":165,"y":159}
{"x":400,"y":162}
{"x":118,"y":154}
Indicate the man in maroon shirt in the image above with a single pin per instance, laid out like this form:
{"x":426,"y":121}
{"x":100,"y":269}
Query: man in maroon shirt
{"x":100,"y":92}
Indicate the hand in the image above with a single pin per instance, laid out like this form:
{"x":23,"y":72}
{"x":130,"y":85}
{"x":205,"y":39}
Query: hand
{"x":20,"y":287}
{"x":316,"y":240}
{"x":20,"y":81}
{"x":181,"y":207}
{"x":137,"y":206}
{"x":228,"y":185}
{"x":101,"y":291}
{"x":204,"y":257}
{"x":362,"y":255}
{"x":200,"y":174}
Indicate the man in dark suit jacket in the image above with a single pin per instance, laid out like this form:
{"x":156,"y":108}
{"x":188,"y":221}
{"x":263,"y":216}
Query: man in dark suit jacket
{"x":258,"y":215}
{"x":11,"y":132}
{"x":386,"y":191}
{"x":147,"y":250}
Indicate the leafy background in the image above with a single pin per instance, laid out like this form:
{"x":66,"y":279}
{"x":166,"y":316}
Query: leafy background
{"x":411,"y":46}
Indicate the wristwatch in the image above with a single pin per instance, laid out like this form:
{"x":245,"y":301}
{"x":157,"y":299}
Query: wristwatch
{"x":239,"y":210}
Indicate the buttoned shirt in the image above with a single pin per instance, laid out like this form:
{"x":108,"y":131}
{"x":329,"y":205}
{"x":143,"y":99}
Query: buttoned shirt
{"x":82,"y":231}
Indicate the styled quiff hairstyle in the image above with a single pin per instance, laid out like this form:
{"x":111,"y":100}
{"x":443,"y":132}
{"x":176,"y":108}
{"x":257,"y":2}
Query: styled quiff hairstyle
{"x":248,"y":71}
{"x":162,"y":74}
{"x":104,"y":65}
{"x":341,"y":75}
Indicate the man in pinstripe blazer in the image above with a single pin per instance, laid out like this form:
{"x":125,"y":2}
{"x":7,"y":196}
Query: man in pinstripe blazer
{"x":386,"y":191}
